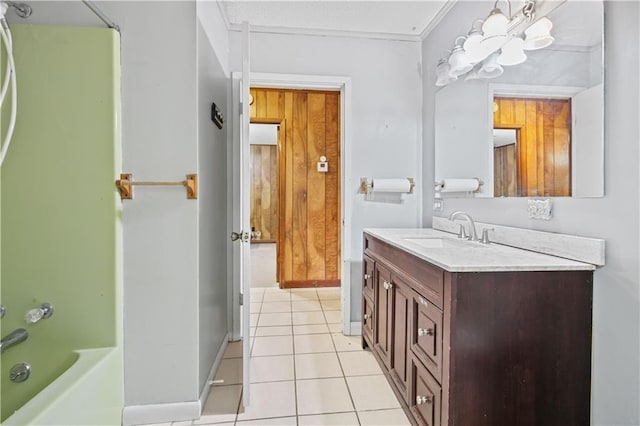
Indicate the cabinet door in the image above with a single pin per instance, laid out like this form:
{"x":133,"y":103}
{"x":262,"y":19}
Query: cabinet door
{"x":425,"y":395}
{"x":401,"y":305}
{"x":426,"y":334}
{"x":368,"y":266}
{"x":382,"y":313}
{"x":367,"y":320}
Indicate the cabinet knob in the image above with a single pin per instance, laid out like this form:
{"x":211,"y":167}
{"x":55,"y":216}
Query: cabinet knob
{"x":423,"y":302}
{"x":367,"y":276}
{"x":426,"y":332}
{"x":387,"y":285}
{"x":367,"y":316}
{"x":424,"y":400}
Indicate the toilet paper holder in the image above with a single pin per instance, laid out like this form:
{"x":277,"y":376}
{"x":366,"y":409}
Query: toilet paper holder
{"x":367,"y":186}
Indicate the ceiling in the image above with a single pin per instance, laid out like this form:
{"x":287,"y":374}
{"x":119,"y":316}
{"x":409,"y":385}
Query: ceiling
{"x":377,"y":19}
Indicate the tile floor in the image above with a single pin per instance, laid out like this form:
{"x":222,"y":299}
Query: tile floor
{"x":304,"y":371}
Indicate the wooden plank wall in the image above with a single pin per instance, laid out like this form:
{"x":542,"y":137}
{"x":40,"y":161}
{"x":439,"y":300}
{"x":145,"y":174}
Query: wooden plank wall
{"x":504,"y":171}
{"x":544,"y":143}
{"x":264,"y":191}
{"x":309,"y":231}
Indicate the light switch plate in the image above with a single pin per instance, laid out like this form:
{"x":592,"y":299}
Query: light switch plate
{"x":539,"y":209}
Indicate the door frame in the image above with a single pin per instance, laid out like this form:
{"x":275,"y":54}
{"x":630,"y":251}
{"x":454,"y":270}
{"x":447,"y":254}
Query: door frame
{"x":343,"y":85}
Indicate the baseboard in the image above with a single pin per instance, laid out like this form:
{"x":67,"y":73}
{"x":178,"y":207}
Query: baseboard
{"x":160,"y":413}
{"x":356,"y":328}
{"x":204,"y":393}
{"x":310,"y":283}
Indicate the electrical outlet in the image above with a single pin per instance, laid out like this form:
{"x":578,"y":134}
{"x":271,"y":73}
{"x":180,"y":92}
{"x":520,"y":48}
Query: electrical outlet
{"x":539,"y":209}
{"x":438,"y":205}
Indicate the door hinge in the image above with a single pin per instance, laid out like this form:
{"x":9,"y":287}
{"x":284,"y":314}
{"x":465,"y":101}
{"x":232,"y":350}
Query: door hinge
{"x":241,"y":299}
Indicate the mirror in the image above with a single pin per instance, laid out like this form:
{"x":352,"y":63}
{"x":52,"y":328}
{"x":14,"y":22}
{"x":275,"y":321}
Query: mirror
{"x":536,"y":130}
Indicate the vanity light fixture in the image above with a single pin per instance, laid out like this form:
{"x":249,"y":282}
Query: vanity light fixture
{"x":498,"y":42}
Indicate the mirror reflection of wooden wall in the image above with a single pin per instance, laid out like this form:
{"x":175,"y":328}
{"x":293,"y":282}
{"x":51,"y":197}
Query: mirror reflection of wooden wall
{"x":543,"y":148}
{"x":264,"y":192}
{"x":308,"y":243}
{"x":504,"y":171}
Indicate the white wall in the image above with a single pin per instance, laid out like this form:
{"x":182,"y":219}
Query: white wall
{"x":213,"y":86}
{"x":385,"y":121}
{"x":615,"y":218}
{"x":214,"y":26}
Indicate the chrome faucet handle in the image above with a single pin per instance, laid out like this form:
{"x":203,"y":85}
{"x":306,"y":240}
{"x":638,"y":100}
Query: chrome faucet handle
{"x":462,"y":233}
{"x":2,"y":310}
{"x":485,"y":235}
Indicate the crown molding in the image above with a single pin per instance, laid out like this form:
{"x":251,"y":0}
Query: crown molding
{"x":437,"y":18}
{"x":327,"y":33}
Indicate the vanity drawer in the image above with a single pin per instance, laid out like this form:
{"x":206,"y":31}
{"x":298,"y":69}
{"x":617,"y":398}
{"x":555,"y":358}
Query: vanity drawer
{"x":425,"y":396}
{"x":426,"y":334}
{"x":367,"y":319}
{"x":368,"y":266}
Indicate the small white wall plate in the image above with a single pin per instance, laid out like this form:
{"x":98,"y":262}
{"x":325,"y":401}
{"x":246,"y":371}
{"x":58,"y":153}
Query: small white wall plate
{"x":539,"y":209}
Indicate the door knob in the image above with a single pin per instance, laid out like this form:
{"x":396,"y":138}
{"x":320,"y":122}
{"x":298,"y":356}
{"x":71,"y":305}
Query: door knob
{"x":242,"y":236}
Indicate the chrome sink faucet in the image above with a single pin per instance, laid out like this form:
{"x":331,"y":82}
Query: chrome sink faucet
{"x":473,"y":235}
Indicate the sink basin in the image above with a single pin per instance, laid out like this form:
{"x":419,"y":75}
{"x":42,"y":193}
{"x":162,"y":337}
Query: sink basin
{"x":436,"y":242}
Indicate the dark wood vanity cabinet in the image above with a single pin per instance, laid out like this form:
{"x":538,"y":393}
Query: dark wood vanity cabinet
{"x":479,"y":348}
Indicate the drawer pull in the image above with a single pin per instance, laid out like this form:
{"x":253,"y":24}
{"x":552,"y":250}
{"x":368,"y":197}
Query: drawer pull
{"x":426,"y":332}
{"x":367,"y":316}
{"x":387,"y":285}
{"x":424,"y":400}
{"x":367,"y":277}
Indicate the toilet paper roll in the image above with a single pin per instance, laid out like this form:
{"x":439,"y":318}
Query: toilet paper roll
{"x":459,"y":185}
{"x":391,"y":185}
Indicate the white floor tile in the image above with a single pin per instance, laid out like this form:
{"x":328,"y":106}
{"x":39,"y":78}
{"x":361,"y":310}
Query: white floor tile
{"x":307,"y":305}
{"x":271,"y":368}
{"x":273,"y":345}
{"x":361,"y":363}
{"x":185,"y":423}
{"x":383,"y":418}
{"x":303,"y":318}
{"x":276,"y":296}
{"x":328,"y":293}
{"x":347,"y":343}
{"x":278,"y":330}
{"x":253,"y":320}
{"x":321,"y":396}
{"x":221,"y":405}
{"x":310,"y":329}
{"x":335,"y":327}
{"x":317,"y":366}
{"x":281,"y":318}
{"x":270,"y":307}
{"x":255,"y":307}
{"x":252,"y":331}
{"x":275,"y":399}
{"x":333,"y":317}
{"x":230,"y":372}
{"x":304,"y":294}
{"x":371,"y":393}
{"x":256,"y":294}
{"x":278,"y":421}
{"x":234,"y":350}
{"x":331,"y":305}
{"x":337,"y":419}
{"x":313,"y":343}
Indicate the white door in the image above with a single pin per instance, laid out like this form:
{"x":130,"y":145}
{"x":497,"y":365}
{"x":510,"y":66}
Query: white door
{"x":241,"y":214}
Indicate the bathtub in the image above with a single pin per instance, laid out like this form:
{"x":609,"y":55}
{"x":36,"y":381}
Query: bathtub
{"x":88,"y":393}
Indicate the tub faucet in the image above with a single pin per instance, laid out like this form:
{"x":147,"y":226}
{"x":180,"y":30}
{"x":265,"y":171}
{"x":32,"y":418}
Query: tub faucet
{"x":473,"y":235}
{"x":14,"y":338}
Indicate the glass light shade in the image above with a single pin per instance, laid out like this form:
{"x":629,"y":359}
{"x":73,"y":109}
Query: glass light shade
{"x":495,"y":24}
{"x":473,"y":74}
{"x":458,"y":62}
{"x":443,"y":76}
{"x":538,"y":35}
{"x":491,"y":68}
{"x":512,"y":53}
{"x":475,"y":52}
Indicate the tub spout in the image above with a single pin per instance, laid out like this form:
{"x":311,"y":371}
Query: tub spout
{"x":14,"y":338}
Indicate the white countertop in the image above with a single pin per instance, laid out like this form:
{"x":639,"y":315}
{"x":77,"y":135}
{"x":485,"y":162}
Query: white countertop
{"x":455,"y":255}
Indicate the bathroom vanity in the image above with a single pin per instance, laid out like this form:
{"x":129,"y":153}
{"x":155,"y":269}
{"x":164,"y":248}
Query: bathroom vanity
{"x":470,"y":334}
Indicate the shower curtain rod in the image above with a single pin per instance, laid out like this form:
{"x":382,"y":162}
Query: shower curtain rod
{"x":104,"y":18}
